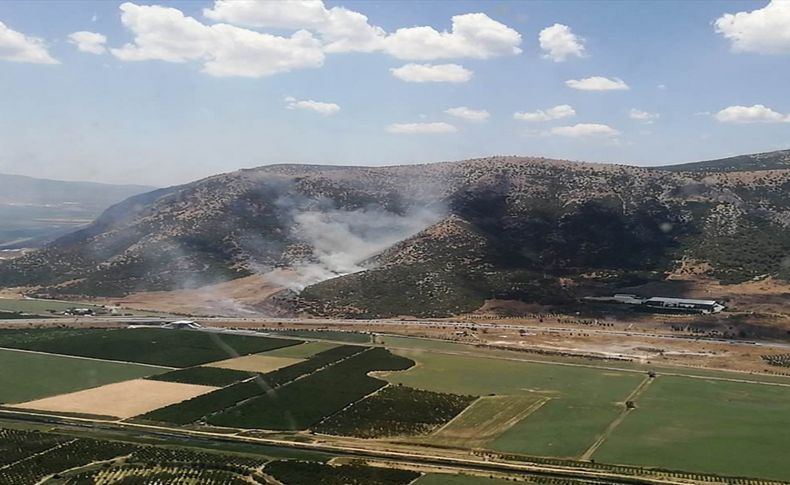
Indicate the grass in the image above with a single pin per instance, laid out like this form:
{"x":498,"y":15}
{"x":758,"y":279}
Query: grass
{"x":26,"y":376}
{"x":39,"y":306}
{"x":204,"y":376}
{"x":395,"y":411}
{"x":486,"y":419}
{"x":174,"y":348}
{"x":706,"y":426}
{"x":306,"y":401}
{"x":582,"y":400}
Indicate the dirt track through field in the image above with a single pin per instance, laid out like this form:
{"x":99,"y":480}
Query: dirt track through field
{"x":477,"y":425}
{"x":641,"y":388}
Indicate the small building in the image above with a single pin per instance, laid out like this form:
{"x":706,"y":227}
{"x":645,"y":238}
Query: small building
{"x":684,"y":304}
{"x":183,"y":324}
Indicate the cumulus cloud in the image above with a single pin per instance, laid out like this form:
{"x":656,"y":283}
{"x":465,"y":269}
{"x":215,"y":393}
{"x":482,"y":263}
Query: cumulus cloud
{"x":751,"y":114}
{"x":166,"y":34}
{"x":340,"y":29}
{"x":643,"y":116}
{"x":229,"y":47}
{"x":555,"y":113}
{"x":765,"y":30}
{"x":325,"y":109}
{"x":559,"y":42}
{"x":597,"y":83}
{"x":443,"y":73}
{"x":583,"y":130}
{"x":474,"y":35}
{"x":90,"y":42}
{"x":18,"y":47}
{"x":468,"y":114}
{"x":422,"y":128}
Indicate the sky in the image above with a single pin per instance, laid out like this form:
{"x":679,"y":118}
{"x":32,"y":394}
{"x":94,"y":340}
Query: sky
{"x":171,"y":91}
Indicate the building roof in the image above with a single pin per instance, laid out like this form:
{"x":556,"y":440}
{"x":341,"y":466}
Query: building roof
{"x":689,"y":301}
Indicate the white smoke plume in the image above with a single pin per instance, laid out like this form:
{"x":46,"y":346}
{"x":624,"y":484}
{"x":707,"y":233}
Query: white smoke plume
{"x":343,"y":239}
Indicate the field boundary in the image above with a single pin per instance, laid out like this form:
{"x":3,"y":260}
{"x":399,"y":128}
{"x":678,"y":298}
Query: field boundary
{"x":590,"y":366}
{"x":641,"y":388}
{"x":96,"y":359}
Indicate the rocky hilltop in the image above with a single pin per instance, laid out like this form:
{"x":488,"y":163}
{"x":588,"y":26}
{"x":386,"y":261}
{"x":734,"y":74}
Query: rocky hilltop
{"x":432,"y":239}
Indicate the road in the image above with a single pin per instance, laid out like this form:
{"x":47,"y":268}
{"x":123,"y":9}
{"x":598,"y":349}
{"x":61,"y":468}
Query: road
{"x":575,"y":471}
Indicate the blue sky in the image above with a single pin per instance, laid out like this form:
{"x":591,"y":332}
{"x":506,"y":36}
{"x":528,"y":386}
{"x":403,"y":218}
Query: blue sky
{"x":199,"y":90}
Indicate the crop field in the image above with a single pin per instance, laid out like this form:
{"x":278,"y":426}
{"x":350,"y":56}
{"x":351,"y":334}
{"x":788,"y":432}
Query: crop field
{"x":121,"y":399}
{"x":582,"y":401}
{"x":709,"y":426}
{"x":294,"y":407}
{"x":195,"y":409}
{"x":260,"y":363}
{"x":174,"y":348}
{"x":28,"y":457}
{"x":395,"y":411}
{"x":25,"y":376}
{"x":204,"y":376}
{"x":302,"y":351}
{"x":485,"y":419}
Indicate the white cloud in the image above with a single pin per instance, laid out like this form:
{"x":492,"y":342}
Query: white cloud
{"x":643,"y":116}
{"x":166,"y":34}
{"x":323,"y":108}
{"x":468,"y":114}
{"x":422,"y":128}
{"x":420,"y":73}
{"x":474,"y":35}
{"x":555,"y":113}
{"x":341,"y":30}
{"x":18,"y":47}
{"x":597,"y":83}
{"x":559,"y":42}
{"x":765,"y":30}
{"x":583,"y":130}
{"x":751,"y":114}
{"x":90,"y":42}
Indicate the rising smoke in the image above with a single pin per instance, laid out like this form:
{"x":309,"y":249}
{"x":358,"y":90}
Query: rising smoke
{"x":343,"y":239}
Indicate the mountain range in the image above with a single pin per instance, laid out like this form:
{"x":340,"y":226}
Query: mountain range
{"x":35,"y":211}
{"x":432,"y":239}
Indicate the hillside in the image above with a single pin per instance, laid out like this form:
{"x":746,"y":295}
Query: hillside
{"x":35,"y":211}
{"x":777,"y":160}
{"x":433,"y":239}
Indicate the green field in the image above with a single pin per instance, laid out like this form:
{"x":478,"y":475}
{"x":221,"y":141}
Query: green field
{"x":302,"y":351}
{"x":205,"y":376}
{"x":582,"y":401}
{"x":39,"y":306}
{"x":173,"y":348}
{"x":708,"y":426}
{"x":306,"y":401}
{"x":194,"y":409}
{"x":395,"y":411}
{"x":25,"y":376}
